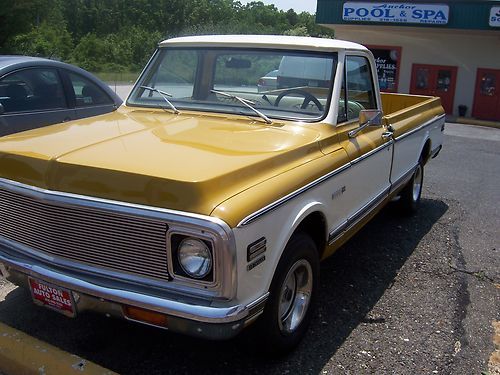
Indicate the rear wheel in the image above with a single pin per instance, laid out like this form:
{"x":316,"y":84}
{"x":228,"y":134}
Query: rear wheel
{"x":411,"y":194}
{"x":292,"y":295}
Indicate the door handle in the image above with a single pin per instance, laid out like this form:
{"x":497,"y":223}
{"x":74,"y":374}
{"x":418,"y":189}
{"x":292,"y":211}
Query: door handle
{"x":387,"y":135}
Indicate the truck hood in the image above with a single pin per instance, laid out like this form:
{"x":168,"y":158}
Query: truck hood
{"x":189,"y":162}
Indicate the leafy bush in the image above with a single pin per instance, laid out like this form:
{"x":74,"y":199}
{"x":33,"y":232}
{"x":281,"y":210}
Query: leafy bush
{"x":119,"y":36}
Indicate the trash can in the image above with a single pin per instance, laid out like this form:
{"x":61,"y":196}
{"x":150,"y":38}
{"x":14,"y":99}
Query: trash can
{"x":462,"y":110}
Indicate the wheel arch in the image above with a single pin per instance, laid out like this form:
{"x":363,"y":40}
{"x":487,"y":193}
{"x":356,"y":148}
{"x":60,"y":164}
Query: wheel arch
{"x":311,"y":220}
{"x":314,"y":225}
{"x":426,"y":151}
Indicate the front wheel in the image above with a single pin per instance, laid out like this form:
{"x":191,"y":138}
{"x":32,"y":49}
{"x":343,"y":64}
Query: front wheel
{"x":410,"y":196}
{"x":292,"y":295}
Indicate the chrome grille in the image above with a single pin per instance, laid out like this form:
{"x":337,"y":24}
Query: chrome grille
{"x":95,"y":237}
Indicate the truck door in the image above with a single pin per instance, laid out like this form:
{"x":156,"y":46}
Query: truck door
{"x":370,"y":149}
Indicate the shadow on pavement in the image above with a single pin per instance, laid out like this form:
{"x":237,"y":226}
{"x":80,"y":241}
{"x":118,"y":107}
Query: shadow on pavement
{"x":353,"y":280}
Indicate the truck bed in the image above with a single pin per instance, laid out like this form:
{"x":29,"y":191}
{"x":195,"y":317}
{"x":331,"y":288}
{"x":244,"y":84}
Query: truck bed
{"x":409,"y":111}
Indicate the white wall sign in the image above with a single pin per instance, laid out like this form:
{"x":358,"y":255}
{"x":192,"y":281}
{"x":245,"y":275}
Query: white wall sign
{"x":434,"y":14}
{"x":495,"y":17}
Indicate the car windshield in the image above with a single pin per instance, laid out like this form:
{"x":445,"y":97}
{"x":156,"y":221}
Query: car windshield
{"x":229,"y":80}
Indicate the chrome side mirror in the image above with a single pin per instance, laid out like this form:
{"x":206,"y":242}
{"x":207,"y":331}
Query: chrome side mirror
{"x":367,"y":117}
{"x":371,"y":117}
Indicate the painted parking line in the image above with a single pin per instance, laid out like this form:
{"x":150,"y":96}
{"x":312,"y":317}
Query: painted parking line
{"x":21,"y":354}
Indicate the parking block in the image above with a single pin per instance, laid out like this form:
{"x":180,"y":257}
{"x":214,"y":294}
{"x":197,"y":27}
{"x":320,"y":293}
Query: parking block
{"x":23,"y":354}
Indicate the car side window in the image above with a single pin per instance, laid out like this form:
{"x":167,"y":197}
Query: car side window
{"x":360,"y":89}
{"x":31,"y":90}
{"x":87,"y":93}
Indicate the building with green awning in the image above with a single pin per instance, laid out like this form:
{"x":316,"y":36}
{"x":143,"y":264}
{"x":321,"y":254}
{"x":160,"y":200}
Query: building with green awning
{"x":449,"y":49}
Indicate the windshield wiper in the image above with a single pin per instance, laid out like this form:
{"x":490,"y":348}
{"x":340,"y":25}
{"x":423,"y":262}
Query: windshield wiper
{"x":164,"y":96}
{"x":246,"y":103}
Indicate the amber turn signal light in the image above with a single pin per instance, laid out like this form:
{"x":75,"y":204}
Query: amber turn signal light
{"x":145,"y":316}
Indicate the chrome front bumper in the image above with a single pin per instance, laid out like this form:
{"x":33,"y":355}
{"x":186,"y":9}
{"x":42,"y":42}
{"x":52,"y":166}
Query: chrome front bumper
{"x":188,"y":315}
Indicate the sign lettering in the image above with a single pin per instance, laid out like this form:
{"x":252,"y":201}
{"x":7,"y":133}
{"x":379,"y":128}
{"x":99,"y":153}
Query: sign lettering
{"x":57,"y":298}
{"x":434,"y":14}
{"x":495,"y":17}
{"x":387,"y":61}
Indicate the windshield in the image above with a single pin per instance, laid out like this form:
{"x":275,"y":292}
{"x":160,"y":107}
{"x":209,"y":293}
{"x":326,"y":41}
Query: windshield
{"x":238,"y":81}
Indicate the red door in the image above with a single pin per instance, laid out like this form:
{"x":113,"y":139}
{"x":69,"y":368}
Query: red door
{"x":487,"y":95}
{"x":435,"y":80}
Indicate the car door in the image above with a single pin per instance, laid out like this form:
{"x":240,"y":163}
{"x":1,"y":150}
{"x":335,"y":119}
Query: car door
{"x":89,"y":99}
{"x":32,"y":98}
{"x":369,"y":149}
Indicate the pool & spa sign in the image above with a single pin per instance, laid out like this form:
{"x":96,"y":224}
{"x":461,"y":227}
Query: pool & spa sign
{"x":435,"y":14}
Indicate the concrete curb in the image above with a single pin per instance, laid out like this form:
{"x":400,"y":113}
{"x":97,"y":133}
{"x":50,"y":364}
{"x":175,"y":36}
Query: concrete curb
{"x":473,"y":121}
{"x":21,"y":354}
{"x":494,"y":363}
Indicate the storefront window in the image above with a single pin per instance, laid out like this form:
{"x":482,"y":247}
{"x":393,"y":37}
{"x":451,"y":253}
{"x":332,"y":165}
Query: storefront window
{"x":488,"y":84}
{"x":444,"y":80}
{"x":422,"y":78}
{"x":387,"y":61}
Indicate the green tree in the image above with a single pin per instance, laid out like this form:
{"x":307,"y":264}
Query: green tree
{"x":21,"y":16}
{"x":297,"y":31}
{"x":89,"y":53}
{"x":121,"y":35}
{"x":44,"y":40}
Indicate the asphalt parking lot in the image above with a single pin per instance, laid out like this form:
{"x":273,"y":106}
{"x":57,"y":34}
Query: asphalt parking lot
{"x":406,"y":295}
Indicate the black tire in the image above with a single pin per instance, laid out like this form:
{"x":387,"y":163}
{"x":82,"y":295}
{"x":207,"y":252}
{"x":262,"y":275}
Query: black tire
{"x":278,"y":334}
{"x":412,"y":192}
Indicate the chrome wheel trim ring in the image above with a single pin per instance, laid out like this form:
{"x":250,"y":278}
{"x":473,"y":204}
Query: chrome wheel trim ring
{"x":295,"y":296}
{"x":417,"y":183}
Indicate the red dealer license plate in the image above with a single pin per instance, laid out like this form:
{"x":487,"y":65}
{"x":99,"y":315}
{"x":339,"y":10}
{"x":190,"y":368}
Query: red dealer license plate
{"x":54,"y":297}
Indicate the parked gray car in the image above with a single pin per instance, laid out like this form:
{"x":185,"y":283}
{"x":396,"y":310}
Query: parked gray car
{"x":36,"y":92}
{"x":268,"y":82}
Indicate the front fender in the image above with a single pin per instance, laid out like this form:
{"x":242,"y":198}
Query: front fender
{"x":277,"y":227}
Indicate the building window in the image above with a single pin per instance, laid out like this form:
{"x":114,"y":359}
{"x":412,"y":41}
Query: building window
{"x":387,"y":59}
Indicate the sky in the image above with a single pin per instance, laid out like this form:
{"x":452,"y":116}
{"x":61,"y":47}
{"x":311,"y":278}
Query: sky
{"x":297,"y":5}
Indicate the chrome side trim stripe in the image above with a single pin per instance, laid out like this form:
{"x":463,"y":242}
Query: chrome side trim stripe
{"x":372,"y":152}
{"x":254,"y":216}
{"x":337,"y":233}
{"x":363,"y":211}
{"x":403,"y":179}
{"x":425,"y":124}
{"x":357,"y":216}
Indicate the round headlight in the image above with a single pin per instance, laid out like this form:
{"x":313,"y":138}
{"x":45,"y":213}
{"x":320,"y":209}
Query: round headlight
{"x":195,"y":258}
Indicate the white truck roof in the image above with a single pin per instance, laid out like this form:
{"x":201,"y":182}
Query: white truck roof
{"x":264,"y":41}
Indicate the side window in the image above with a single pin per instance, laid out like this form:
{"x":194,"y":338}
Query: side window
{"x":87,"y":93}
{"x":360,"y":90}
{"x":32,"y":90}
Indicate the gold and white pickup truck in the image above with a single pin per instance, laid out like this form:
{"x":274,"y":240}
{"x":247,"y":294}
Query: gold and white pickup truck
{"x":204,"y":203}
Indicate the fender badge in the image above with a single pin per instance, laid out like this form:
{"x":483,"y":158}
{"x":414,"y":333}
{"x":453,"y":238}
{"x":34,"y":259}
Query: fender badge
{"x":256,"y":263}
{"x":338,"y":193}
